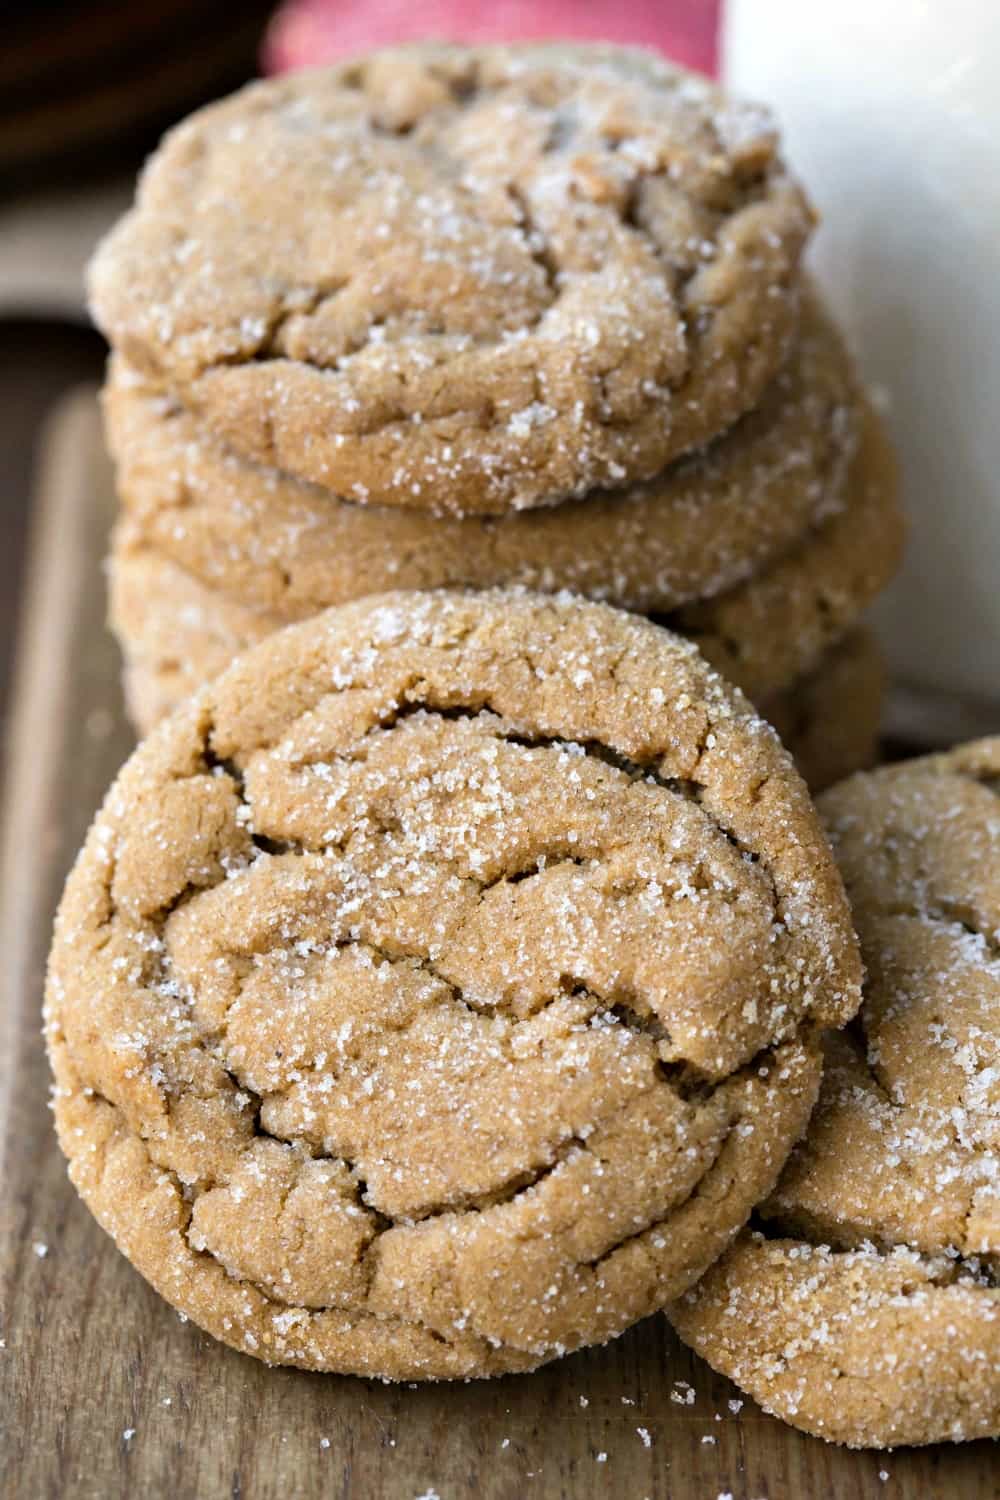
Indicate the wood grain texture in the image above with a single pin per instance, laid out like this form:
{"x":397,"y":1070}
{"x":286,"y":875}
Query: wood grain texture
{"x":91,"y":1353}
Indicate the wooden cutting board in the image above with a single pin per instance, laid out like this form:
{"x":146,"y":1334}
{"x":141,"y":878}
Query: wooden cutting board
{"x":105,"y":1392}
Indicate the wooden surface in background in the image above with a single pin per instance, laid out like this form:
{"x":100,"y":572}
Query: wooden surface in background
{"x":104,"y":1392}
{"x":39,"y":362}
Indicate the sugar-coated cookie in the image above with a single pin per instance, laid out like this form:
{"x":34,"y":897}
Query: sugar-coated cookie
{"x":482,"y":279}
{"x":867,"y":1308}
{"x":438,"y":990}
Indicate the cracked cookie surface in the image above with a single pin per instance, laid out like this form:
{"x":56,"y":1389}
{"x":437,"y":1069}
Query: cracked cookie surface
{"x":437,"y":991}
{"x":480,"y":280}
{"x":868,"y":1311}
{"x":703,"y":525}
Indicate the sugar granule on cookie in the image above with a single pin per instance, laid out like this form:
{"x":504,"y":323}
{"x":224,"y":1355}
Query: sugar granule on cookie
{"x":866,"y":1306}
{"x":482,"y":279}
{"x":438,"y":990}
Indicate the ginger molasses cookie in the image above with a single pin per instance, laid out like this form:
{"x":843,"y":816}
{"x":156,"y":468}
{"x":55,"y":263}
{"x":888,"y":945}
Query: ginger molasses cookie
{"x":702,"y":525}
{"x":468,"y":279}
{"x":437,"y":991}
{"x":867,"y":1310}
{"x":765,"y":634}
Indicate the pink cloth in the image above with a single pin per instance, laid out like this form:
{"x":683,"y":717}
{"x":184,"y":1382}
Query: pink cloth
{"x":306,"y":32}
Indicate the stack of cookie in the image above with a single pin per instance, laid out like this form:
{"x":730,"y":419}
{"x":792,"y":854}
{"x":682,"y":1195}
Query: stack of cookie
{"x":509,"y":316}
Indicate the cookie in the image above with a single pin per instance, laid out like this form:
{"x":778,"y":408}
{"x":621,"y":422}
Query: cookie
{"x":867,"y":1310}
{"x":696,"y":529}
{"x":470,"y":279}
{"x":437,"y":990}
{"x":830,"y":720}
{"x":765,"y":634}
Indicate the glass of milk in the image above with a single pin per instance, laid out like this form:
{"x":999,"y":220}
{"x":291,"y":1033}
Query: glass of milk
{"x":890,"y":111}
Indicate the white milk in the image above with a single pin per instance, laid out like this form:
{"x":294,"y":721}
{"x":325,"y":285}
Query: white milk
{"x":891,"y":114}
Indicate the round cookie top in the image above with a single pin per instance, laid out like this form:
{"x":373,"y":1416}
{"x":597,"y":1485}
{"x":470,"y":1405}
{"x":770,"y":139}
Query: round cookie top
{"x":706,"y":522}
{"x":871,"y":1311}
{"x":435,"y":991}
{"x":473,"y":279}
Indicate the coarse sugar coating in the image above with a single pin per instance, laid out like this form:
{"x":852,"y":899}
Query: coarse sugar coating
{"x":704,"y":524}
{"x":483,"y":279}
{"x":437,"y":991}
{"x":868,"y":1308}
